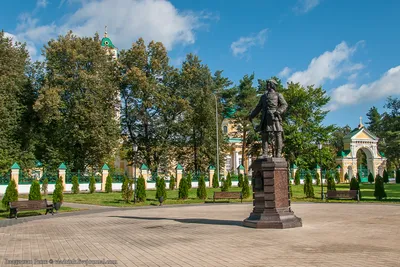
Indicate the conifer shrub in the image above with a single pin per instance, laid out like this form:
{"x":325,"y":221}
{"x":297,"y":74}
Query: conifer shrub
{"x":337,"y":177}
{"x":34,"y":191}
{"x":359,"y":177}
{"x":317,"y":178}
{"x":229,"y":179}
{"x":45,"y":185}
{"x":183,"y":192}
{"x":385,"y":177}
{"x":108,"y":186}
{"x":92,"y":184}
{"x":297,"y":177}
{"x":331,"y":186}
{"x":140,"y":189}
{"x":308,"y":187}
{"x":172,"y":183}
{"x":370,"y":178}
{"x":398,"y":176}
{"x":160,"y":188}
{"x":379,"y":192}
{"x":201,"y":188}
{"x":215,"y":182}
{"x":224,"y":185}
{"x":10,"y":195}
{"x":290,"y":188}
{"x":127,"y":189}
{"x":246,"y":187}
{"x":75,"y":185}
{"x":58,"y":193}
{"x":240,"y":180}
{"x":354,"y":185}
{"x":346,"y":177}
{"x":189,"y":180}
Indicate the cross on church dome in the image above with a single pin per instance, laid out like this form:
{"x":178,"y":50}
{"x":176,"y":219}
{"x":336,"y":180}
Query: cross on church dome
{"x":360,"y":125}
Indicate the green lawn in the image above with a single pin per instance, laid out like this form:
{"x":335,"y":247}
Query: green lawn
{"x":4,"y":214}
{"x":115,"y":198}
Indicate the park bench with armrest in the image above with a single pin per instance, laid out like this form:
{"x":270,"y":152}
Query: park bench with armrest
{"x":350,"y":194}
{"x":25,"y":205}
{"x":228,"y":195}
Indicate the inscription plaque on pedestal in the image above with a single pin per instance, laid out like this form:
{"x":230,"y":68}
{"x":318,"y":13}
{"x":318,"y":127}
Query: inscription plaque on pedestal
{"x":271,"y":202}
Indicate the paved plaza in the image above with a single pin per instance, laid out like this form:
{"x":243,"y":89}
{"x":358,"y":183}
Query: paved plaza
{"x":207,"y":235}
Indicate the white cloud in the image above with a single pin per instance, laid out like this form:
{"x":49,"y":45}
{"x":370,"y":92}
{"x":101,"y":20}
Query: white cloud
{"x":41,"y":3}
{"x":29,"y":45}
{"x":304,"y":6}
{"x":285,"y":72}
{"x":349,"y":94}
{"x":328,"y":66}
{"x":241,"y":46}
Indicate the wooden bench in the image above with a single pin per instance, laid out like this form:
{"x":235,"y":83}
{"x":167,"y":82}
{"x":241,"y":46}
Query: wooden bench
{"x":24,"y":205}
{"x":228,"y":195}
{"x":350,"y":194}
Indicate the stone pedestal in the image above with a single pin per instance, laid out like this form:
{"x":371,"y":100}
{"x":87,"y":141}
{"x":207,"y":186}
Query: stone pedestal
{"x":271,"y":196}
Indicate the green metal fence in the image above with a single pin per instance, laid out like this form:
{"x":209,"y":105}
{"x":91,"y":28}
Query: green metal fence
{"x":83,"y":177}
{"x":25,"y":178}
{"x":51,"y":176}
{"x":5,"y":178}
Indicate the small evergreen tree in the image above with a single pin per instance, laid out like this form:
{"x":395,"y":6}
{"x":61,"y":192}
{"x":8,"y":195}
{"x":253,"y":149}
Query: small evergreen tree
{"x":215,"y":182}
{"x":398,"y":176}
{"x":290,"y":188}
{"x":354,"y":185}
{"x":297,"y":177}
{"x":379,"y":192}
{"x":201,"y":188}
{"x":240,"y":180}
{"x":385,"y":177}
{"x":160,"y":188}
{"x":346,"y":177}
{"x":58,"y":193}
{"x":183,"y":189}
{"x":34,"y":191}
{"x":317,"y":178}
{"x":172,"y":183}
{"x":127,"y":189}
{"x":370,"y":178}
{"x":308,"y":187}
{"x":337,"y":177}
{"x":246,"y":187}
{"x":140,"y":189}
{"x":92,"y":184}
{"x":229,"y":179}
{"x":45,"y":185}
{"x":10,"y":195}
{"x":330,"y":182}
{"x":108,"y":184}
{"x":75,"y":185}
{"x":224,"y":185}
{"x":189,"y":180}
{"x":359,"y":177}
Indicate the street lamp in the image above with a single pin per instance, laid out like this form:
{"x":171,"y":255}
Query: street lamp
{"x":134,"y":148}
{"x":216,"y":129}
{"x":320,"y":162}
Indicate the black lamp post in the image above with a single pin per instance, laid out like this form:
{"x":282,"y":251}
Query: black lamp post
{"x":320,"y":162}
{"x":135,"y":148}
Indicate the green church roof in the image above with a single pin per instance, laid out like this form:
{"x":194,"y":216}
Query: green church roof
{"x":107,"y":42}
{"x":343,"y":153}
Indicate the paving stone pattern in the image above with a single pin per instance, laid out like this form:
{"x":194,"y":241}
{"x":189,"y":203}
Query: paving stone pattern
{"x":210,"y":235}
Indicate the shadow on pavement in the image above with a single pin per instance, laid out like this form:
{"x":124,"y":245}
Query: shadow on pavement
{"x":190,"y":220}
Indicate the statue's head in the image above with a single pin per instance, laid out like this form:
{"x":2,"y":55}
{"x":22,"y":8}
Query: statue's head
{"x":271,"y":85}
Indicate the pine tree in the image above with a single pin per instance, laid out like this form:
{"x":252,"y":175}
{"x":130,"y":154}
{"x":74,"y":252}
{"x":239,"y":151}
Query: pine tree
{"x":224,"y":185}
{"x":229,"y":179}
{"x":308,"y":187}
{"x":398,"y":176}
{"x":108,"y":184}
{"x":127,"y":189}
{"x":34,"y":191}
{"x":379,"y":192}
{"x":141,"y":189}
{"x":240,"y":180}
{"x":330,"y":181}
{"x":370,"y":178}
{"x":183,"y":189}
{"x":246,"y":187}
{"x":189,"y":180}
{"x":58,"y":193}
{"x":172,"y":183}
{"x":297,"y":177}
{"x":215,"y":182}
{"x":10,"y":195}
{"x":75,"y":185}
{"x":317,"y":178}
{"x":45,"y":184}
{"x":92,"y":184}
{"x":160,"y":188}
{"x":201,"y":189}
{"x":385,"y":177}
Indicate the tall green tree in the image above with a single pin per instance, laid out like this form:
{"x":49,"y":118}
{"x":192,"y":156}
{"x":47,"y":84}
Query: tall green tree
{"x":374,"y":120}
{"x":77,"y":103}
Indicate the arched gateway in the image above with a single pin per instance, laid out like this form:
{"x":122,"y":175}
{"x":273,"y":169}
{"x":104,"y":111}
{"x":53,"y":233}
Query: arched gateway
{"x":360,"y":139}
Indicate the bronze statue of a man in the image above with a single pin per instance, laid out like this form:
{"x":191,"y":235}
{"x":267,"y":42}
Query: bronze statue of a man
{"x":272,"y":104}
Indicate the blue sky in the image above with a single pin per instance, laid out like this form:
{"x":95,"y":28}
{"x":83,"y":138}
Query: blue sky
{"x":350,"y":48}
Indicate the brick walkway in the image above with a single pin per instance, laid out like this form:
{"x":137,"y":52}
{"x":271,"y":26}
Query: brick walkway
{"x":209,"y":235}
